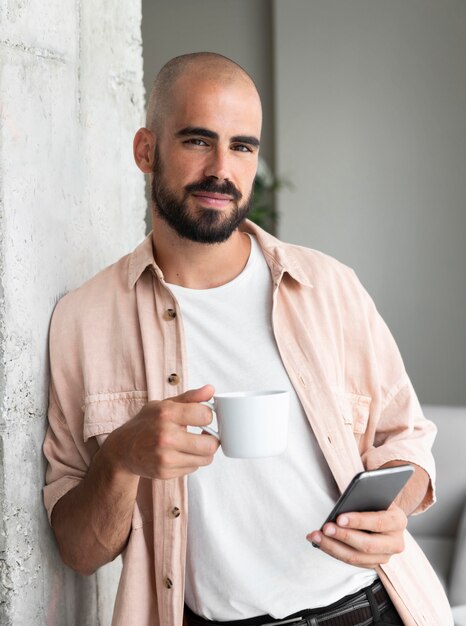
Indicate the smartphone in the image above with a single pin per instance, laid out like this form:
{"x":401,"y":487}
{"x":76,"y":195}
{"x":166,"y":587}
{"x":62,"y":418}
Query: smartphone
{"x":372,"y":490}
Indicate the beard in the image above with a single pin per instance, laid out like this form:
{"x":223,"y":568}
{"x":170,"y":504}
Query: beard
{"x":205,"y":225}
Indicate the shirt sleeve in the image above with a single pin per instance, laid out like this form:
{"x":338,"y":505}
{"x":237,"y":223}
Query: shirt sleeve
{"x":400,"y":431}
{"x":404,"y":434}
{"x":66,"y":465}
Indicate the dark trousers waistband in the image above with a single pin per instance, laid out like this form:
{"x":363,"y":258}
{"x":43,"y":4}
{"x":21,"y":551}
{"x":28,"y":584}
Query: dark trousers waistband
{"x":349,"y":611}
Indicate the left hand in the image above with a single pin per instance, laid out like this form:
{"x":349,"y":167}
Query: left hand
{"x":349,"y":541}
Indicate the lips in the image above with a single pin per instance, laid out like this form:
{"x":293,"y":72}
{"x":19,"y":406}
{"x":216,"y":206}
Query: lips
{"x":211,"y":190}
{"x":211,"y":199}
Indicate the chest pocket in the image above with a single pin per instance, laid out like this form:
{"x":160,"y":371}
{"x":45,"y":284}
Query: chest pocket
{"x":354,"y":409}
{"x":104,"y":412}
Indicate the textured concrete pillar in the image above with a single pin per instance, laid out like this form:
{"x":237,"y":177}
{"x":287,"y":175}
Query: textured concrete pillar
{"x":71,"y":201}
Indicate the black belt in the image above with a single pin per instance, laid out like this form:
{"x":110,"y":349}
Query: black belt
{"x":349,"y":611}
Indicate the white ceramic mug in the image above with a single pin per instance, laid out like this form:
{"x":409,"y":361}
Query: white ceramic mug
{"x":251,"y":424}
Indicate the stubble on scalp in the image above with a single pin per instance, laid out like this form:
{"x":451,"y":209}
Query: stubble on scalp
{"x":207,"y":65}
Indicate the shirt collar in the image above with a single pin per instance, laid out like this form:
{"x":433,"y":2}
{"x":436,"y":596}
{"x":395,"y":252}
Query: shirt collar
{"x":279,"y":257}
{"x":140,"y":259}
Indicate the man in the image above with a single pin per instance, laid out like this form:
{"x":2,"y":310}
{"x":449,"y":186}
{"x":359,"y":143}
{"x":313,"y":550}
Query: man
{"x":210,"y":302}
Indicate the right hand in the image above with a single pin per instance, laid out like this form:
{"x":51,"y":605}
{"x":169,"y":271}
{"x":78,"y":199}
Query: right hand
{"x":156,"y":443}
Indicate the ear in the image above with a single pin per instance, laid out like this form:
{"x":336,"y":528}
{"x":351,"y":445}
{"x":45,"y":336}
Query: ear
{"x":143,"y":149}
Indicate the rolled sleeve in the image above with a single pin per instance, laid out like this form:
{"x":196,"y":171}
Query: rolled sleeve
{"x":66,"y":465}
{"x":399,"y":430}
{"x":404,"y":434}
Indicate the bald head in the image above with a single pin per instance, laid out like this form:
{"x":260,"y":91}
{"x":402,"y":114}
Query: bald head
{"x":205,"y":66}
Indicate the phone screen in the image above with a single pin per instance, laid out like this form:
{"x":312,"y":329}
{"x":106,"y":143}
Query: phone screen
{"x":372,"y":490}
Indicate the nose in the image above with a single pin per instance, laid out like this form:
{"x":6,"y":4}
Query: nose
{"x":218,"y":164}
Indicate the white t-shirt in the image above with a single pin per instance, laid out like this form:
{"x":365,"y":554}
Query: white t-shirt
{"x":248,"y":518}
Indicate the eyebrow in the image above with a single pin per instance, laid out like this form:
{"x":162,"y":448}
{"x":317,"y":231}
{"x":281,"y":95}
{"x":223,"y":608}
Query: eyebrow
{"x":198,"y":131}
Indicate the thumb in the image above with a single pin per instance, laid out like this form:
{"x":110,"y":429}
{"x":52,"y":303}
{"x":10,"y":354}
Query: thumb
{"x":202,"y":394}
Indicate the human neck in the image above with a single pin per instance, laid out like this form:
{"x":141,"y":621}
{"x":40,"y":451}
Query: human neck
{"x":199,"y":265}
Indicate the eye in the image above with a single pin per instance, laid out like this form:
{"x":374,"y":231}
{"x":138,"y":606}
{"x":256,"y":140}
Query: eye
{"x":241,"y":147}
{"x":193,"y":141}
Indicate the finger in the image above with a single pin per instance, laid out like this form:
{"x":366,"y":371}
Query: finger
{"x":392,"y":520}
{"x":184,"y":414}
{"x":366,"y":542}
{"x":173,"y":438}
{"x":198,"y":445}
{"x":201,"y":394}
{"x":175,"y":463}
{"x":345,"y":553}
{"x":195,"y":414}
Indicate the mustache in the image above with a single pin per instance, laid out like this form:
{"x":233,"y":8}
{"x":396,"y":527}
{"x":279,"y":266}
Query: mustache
{"x":209,"y":184}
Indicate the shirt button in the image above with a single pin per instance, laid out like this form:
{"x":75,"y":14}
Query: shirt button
{"x":173,"y":379}
{"x":168,"y":582}
{"x":175,"y":512}
{"x":170,"y":314}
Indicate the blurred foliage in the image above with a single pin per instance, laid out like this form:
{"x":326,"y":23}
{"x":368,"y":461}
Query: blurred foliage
{"x":263,"y":211}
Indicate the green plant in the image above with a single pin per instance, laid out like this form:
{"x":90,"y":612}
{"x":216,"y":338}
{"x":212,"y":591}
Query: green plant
{"x":263,"y":211}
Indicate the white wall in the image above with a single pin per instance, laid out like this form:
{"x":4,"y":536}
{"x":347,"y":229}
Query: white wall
{"x":371,"y":130}
{"x":71,"y":201}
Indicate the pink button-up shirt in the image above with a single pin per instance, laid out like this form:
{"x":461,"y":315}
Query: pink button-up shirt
{"x":117,"y":342}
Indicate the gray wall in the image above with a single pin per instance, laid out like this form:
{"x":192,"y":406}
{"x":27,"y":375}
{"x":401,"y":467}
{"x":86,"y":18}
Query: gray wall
{"x":371,"y":129}
{"x":71,"y":201}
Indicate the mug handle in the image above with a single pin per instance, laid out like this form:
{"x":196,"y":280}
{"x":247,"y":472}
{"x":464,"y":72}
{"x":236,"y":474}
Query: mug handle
{"x":208,"y":429}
